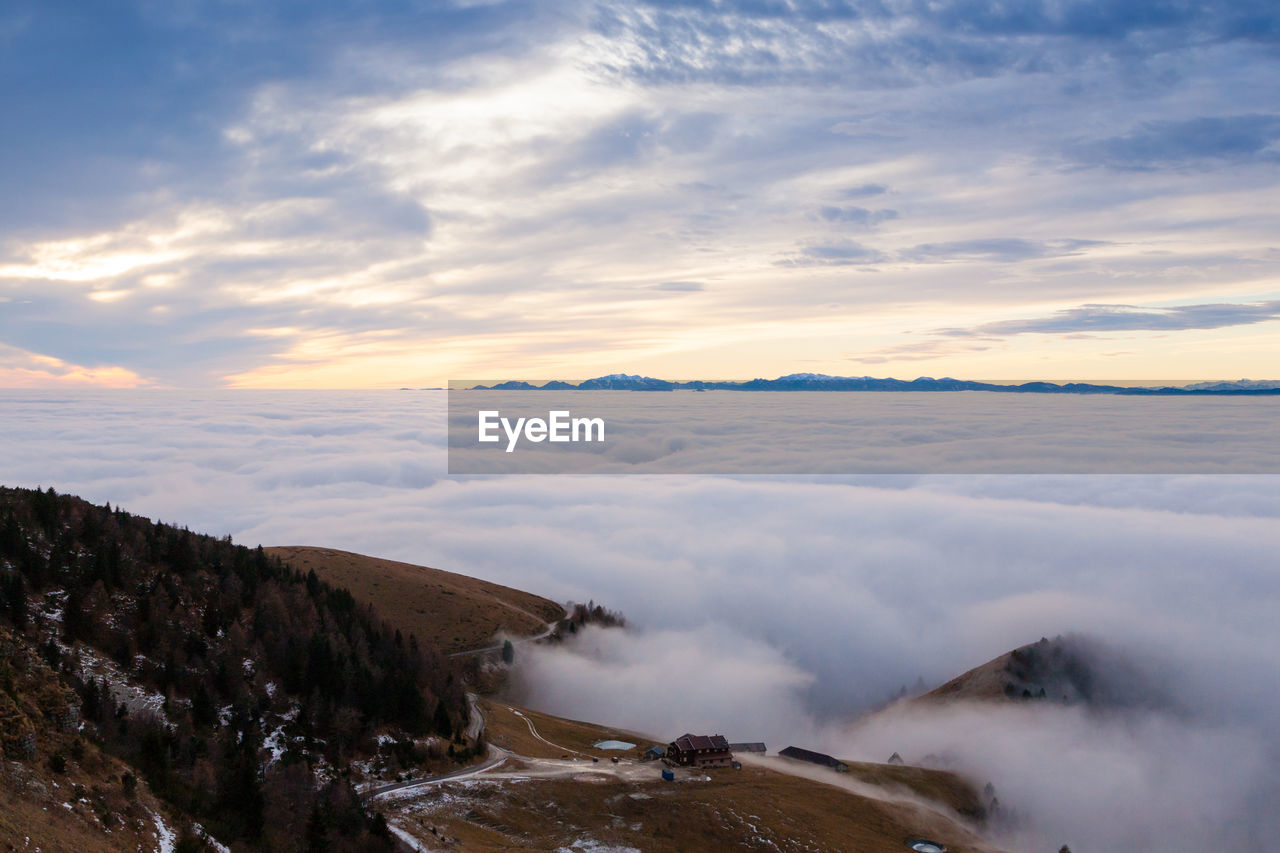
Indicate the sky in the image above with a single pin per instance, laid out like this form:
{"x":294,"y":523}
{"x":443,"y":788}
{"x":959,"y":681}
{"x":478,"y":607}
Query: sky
{"x":776,"y":609}
{"x":367,"y":195}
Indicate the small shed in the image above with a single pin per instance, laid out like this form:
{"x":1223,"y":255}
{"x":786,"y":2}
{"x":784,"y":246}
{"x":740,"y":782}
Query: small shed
{"x":819,"y":758}
{"x":653,"y":753}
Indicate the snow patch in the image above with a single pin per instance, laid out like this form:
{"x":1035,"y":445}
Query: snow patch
{"x":590,"y":845}
{"x":409,"y":840}
{"x":135,"y":698}
{"x":209,"y":839}
{"x":277,"y":743}
{"x":166,"y":836}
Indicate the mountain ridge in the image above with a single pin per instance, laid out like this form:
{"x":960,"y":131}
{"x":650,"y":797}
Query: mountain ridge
{"x":825,"y":382}
{"x":1070,"y":669}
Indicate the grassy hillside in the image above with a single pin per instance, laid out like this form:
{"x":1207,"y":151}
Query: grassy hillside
{"x":450,"y":611}
{"x":755,"y":808}
{"x":57,"y":787}
{"x":1069,"y":670}
{"x":941,"y":786}
{"x":508,"y":726}
{"x":989,"y":682}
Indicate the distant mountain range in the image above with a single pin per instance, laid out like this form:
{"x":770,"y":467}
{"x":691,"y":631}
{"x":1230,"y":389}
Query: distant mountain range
{"x":823,"y":382}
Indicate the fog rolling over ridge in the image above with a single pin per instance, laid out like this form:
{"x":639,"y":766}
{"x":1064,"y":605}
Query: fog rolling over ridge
{"x":779,"y":609}
{"x":1147,"y":762}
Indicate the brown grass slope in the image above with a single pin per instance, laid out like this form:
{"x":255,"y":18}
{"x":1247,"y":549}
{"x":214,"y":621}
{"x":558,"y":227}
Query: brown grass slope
{"x":750,"y":809}
{"x":985,"y":683}
{"x":100,"y":819}
{"x":58,"y":790}
{"x":941,"y":786}
{"x":454,"y":612}
{"x":753,"y":808}
{"x":507,"y":726}
{"x":1072,"y":669}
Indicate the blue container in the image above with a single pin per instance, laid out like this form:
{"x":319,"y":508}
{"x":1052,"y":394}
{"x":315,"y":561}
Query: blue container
{"x":668,"y":776}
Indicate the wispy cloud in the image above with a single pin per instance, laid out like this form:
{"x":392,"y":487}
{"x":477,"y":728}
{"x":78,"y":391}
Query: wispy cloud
{"x":23,"y":369}
{"x":1128,"y":318}
{"x":816,"y":41}
{"x":864,"y":190}
{"x":1201,"y":141}
{"x":926,"y":350}
{"x":844,"y":253}
{"x":856,"y":215}
{"x":999,"y":249}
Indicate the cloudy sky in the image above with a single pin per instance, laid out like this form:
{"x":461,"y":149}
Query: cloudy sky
{"x":329,"y":194}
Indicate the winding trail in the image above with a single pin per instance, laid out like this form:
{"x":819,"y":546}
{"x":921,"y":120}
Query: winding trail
{"x":475,"y":718}
{"x":547,"y":632}
{"x":495,"y":758}
{"x":475,"y":728}
{"x":533,"y":730}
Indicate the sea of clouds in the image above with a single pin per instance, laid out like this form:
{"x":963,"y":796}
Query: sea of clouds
{"x":775,"y":609}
